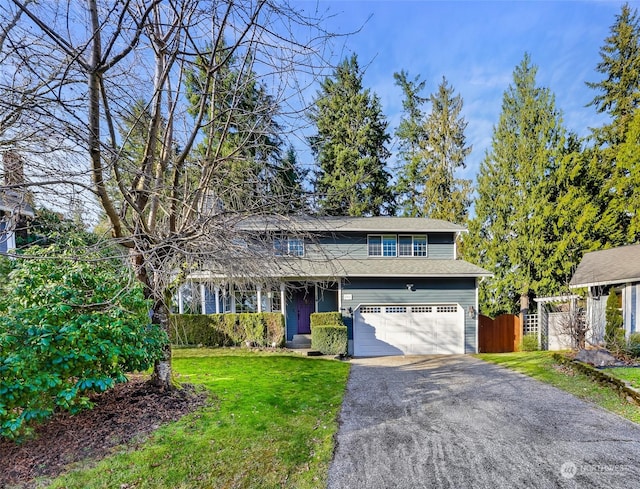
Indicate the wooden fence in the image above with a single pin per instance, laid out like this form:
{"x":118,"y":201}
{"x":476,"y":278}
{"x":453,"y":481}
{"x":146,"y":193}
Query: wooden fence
{"x":499,"y":335}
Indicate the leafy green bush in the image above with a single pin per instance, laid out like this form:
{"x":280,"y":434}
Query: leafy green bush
{"x":254,"y":328}
{"x":227,"y":329}
{"x":326,"y":318}
{"x":275,"y":328}
{"x":68,"y":327}
{"x":633,"y":346}
{"x":530,"y":342}
{"x":329,"y":339}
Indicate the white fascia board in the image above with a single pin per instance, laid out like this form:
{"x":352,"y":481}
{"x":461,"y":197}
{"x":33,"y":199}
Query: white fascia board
{"x":606,"y":282}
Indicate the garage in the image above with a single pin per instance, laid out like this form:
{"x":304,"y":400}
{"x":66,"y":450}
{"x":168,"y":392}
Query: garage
{"x":418,"y":329}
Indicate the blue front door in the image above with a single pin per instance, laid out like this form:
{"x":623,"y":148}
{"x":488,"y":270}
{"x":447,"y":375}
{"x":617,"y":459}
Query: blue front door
{"x":305,"y":306}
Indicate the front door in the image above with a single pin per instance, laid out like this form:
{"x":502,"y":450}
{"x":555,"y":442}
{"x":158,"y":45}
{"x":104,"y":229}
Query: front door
{"x":305,"y":306}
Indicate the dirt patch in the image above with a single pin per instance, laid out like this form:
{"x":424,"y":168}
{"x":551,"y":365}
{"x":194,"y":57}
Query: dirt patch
{"x":124,"y":415}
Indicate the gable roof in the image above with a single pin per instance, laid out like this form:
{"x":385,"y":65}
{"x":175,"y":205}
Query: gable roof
{"x":608,"y":267}
{"x":377,"y":224}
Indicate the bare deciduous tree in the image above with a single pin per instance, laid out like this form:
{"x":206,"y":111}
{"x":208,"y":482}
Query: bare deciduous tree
{"x":72,"y":73}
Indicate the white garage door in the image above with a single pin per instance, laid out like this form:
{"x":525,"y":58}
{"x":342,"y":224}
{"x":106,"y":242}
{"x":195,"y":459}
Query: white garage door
{"x":408,"y":330}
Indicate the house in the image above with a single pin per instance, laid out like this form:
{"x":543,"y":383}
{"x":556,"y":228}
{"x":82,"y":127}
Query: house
{"x":599,"y":272}
{"x":13,"y":211}
{"x":14,"y":202}
{"x":397,"y":281}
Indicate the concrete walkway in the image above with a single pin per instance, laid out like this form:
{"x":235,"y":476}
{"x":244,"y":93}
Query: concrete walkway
{"x":457,"y":422}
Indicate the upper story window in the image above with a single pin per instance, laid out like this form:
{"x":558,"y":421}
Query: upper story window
{"x":392,"y":245}
{"x":382,"y":245}
{"x":289,"y":247}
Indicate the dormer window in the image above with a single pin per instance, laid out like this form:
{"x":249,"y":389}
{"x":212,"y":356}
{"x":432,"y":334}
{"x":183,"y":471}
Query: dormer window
{"x":289,"y":247}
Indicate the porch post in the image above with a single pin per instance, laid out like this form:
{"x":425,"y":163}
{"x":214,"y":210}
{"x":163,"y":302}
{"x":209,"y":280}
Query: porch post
{"x":541,"y":309}
{"x":283,"y":304}
{"x":259,"y":297}
{"x":203,"y":298}
{"x":232,"y":297}
{"x":216,"y":292}
{"x":315,"y":293}
{"x":339,"y":295}
{"x":180,"y":301}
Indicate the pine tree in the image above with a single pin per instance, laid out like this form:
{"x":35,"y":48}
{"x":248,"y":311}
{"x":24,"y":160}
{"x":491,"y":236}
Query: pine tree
{"x":350,"y":146}
{"x":287,"y":183}
{"x":446,"y":196}
{"x":512,"y":233}
{"x":613,"y":158}
{"x":245,"y":115}
{"x":411,"y":136}
{"x":619,"y":91}
{"x":433,"y":147}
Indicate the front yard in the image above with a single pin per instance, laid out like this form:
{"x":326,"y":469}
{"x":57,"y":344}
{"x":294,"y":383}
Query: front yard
{"x":542,"y":366}
{"x":271,"y":424}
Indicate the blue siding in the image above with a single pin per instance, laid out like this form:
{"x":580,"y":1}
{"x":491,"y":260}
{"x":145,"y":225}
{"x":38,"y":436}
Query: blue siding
{"x":440,"y":246}
{"x":327,"y":299}
{"x":338,"y":246}
{"x":460,"y":291}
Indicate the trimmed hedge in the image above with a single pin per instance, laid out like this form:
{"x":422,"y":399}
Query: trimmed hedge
{"x":261,"y":329}
{"x":328,"y":333}
{"x":326,"y":319}
{"x":329,"y":339}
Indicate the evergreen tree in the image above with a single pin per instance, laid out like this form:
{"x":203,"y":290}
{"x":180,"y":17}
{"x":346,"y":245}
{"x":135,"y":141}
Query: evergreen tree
{"x":246,"y":131}
{"x":446,"y":196}
{"x":433,"y":147}
{"x":619,"y":91}
{"x":350,"y":146}
{"x":288,"y":183}
{"x":613,"y":154}
{"x":512,"y":233}
{"x":411,"y":135}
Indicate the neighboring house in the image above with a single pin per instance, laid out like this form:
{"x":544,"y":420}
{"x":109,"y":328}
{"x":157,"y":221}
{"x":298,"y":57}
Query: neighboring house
{"x":397,"y":282}
{"x":13,"y":211}
{"x":598,"y":272}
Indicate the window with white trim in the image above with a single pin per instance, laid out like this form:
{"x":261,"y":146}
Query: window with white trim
{"x":419,"y":245}
{"x":289,"y":246}
{"x":246,"y":301}
{"x":392,"y":245}
{"x":382,"y":245}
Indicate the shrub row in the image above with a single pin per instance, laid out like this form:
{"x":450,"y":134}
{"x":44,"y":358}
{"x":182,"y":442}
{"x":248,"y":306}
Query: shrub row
{"x":328,"y":333}
{"x":264,"y":328}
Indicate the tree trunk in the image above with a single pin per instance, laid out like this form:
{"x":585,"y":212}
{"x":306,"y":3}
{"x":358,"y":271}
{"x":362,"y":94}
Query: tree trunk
{"x":162,"y":372}
{"x":159,"y":315}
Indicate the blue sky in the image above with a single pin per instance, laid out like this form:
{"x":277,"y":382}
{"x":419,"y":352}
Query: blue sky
{"x":476,"y":45}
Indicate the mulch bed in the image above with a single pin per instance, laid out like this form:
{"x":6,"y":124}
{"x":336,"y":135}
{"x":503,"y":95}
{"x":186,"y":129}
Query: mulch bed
{"x":124,"y":415}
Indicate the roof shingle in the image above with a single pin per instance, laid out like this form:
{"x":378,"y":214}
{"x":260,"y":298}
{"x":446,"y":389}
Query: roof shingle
{"x":608,"y":267}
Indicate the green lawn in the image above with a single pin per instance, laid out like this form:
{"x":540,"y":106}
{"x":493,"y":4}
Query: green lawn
{"x":631,"y":375}
{"x":541,"y":365}
{"x":271,"y":424}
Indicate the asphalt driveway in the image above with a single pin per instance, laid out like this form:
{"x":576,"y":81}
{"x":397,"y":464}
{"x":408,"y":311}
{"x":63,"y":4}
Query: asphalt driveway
{"x":458,"y":422}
